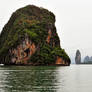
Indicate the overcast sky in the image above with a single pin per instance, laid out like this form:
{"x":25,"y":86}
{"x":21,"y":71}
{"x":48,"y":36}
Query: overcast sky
{"x":73,"y":21}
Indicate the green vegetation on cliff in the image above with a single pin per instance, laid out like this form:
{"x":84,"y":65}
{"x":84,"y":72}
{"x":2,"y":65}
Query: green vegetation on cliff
{"x":38,"y":26}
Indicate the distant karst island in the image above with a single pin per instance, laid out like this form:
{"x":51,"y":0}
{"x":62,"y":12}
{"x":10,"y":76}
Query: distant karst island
{"x":78,"y":57}
{"x":87,"y":59}
{"x":30,"y":38}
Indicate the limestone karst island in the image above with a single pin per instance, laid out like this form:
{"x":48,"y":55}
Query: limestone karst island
{"x":30,"y":38}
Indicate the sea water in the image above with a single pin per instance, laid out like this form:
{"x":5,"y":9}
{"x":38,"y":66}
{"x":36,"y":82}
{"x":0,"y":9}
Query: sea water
{"x":73,"y":78}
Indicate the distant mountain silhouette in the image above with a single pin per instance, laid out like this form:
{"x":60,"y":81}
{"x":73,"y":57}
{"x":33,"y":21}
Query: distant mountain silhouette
{"x":87,"y":60}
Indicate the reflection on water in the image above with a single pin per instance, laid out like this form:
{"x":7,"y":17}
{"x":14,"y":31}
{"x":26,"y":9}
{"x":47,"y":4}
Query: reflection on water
{"x":74,"y":78}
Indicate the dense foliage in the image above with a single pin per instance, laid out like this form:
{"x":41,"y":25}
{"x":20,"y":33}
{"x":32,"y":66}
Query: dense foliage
{"x":47,"y":55}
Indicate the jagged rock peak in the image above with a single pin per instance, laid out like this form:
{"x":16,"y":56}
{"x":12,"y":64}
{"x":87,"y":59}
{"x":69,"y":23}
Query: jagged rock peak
{"x":78,"y":57}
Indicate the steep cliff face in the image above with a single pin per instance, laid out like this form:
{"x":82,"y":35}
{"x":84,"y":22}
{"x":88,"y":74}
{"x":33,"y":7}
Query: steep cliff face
{"x":30,"y":37}
{"x":78,"y":57}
